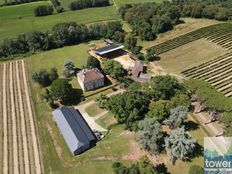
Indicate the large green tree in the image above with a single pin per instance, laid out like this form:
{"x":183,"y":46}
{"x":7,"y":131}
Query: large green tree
{"x":164,"y":87}
{"x":114,"y":69}
{"x":61,"y":90}
{"x":93,"y":62}
{"x":129,"y":108}
{"x":177,"y":117}
{"x":179,"y":145}
{"x":150,"y":135}
{"x":159,"y":110}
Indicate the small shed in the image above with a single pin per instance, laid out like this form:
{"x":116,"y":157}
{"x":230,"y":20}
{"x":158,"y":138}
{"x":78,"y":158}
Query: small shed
{"x":78,"y":135}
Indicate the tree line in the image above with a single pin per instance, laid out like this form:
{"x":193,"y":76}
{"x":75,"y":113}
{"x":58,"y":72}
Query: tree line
{"x":215,"y":102}
{"x":149,"y":19}
{"x":82,"y":4}
{"x":62,"y":34}
{"x":210,"y":9}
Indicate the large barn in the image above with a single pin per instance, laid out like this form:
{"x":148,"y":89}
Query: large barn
{"x":76,"y":132}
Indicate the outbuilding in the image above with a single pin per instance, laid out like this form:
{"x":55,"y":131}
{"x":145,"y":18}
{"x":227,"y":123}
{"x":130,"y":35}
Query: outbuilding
{"x":78,"y":135}
{"x":109,"y":49}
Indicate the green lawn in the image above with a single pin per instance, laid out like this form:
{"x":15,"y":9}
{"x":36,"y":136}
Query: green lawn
{"x":93,"y":110}
{"x":12,"y":26}
{"x":107,"y":120}
{"x":2,"y":2}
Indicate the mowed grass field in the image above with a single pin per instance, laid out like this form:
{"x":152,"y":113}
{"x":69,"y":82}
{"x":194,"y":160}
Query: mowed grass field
{"x":2,"y":2}
{"x":189,"y":55}
{"x":11,"y":25}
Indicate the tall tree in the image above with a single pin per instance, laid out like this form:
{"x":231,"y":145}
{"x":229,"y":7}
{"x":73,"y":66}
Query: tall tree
{"x":61,"y":90}
{"x":179,"y":145}
{"x":129,"y":108}
{"x":93,"y":62}
{"x":177,"y":117}
{"x":114,"y":69}
{"x":164,"y":87}
{"x":159,"y":110}
{"x":150,"y":135}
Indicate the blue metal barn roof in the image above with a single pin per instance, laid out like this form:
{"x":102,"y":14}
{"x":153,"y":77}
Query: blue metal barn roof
{"x":74,"y":128}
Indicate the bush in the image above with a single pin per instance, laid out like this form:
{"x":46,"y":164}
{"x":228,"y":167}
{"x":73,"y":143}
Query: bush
{"x":43,"y":10}
{"x":42,"y":78}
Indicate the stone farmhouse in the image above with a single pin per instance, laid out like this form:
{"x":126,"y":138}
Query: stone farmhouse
{"x":90,"y":79}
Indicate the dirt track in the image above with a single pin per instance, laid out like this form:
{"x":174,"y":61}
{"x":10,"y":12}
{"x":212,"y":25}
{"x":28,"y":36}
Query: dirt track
{"x":19,"y":147}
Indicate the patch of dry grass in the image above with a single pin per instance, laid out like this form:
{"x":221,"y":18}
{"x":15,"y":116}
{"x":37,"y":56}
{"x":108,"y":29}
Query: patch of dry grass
{"x":189,"y":55}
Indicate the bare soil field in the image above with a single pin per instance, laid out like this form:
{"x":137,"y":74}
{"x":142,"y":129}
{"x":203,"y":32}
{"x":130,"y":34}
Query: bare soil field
{"x":181,"y":29}
{"x":189,"y":55}
{"x":19,"y":149}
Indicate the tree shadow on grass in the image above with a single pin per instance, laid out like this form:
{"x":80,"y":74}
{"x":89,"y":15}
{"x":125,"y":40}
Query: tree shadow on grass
{"x":161,"y":168}
{"x":191,"y":125}
{"x":198,"y":151}
{"x":76,"y":97}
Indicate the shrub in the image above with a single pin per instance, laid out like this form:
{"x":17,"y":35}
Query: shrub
{"x":43,"y":10}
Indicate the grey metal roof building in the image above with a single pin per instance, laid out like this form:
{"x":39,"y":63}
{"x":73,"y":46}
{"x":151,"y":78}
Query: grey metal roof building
{"x":76,"y":132}
{"x":108,"y":49}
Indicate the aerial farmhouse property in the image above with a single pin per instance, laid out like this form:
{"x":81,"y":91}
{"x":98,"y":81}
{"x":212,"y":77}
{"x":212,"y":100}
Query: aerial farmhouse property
{"x":76,"y":132}
{"x":90,"y":79}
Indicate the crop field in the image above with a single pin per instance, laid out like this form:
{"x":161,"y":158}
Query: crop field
{"x":19,"y":147}
{"x":9,"y":16}
{"x":217,"y":72}
{"x":189,"y":55}
{"x":219,"y":34}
